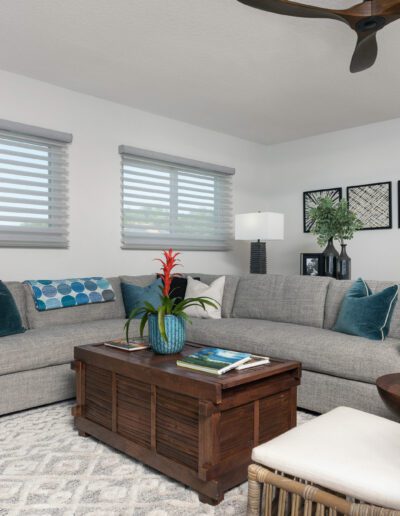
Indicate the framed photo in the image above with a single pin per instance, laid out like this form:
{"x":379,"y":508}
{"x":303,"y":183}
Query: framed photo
{"x":311,"y":199}
{"x":372,"y":204}
{"x":312,"y":264}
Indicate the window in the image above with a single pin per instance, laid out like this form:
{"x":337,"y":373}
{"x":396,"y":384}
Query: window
{"x":174,"y":202}
{"x":33,"y":186}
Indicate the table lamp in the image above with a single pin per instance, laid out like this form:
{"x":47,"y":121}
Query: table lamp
{"x":259,"y":226}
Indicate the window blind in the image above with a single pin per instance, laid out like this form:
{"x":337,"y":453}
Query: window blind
{"x":33,"y":186}
{"x":174,"y":202}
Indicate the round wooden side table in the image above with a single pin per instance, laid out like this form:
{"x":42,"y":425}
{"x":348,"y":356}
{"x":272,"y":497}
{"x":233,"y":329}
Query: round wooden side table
{"x":389,"y":390}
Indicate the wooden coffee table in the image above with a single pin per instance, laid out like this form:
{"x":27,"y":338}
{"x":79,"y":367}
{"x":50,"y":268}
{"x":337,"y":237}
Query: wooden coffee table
{"x":389,"y":390}
{"x":194,"y":427}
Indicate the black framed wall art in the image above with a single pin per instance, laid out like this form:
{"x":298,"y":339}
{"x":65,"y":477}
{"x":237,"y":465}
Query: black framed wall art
{"x":372,"y":203}
{"x":398,"y":202}
{"x":312,"y":264}
{"x":310,"y":200}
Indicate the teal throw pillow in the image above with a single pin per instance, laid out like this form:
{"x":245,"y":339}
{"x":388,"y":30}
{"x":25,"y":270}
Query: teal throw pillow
{"x":365,"y":314}
{"x":135,"y":296}
{"x":10,"y":320}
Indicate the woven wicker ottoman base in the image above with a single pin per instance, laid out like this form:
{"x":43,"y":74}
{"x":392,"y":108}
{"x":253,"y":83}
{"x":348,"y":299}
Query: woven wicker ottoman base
{"x":276,"y":494}
{"x":327,"y":466}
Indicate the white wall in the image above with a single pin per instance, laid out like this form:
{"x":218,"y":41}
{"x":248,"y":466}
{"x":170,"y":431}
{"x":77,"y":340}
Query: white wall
{"x":362,"y":155}
{"x":98,"y":128}
{"x":267,"y":178}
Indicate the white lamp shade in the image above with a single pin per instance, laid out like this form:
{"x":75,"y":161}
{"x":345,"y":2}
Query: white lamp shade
{"x":259,"y":226}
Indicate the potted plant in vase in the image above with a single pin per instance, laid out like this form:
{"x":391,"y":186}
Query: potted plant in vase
{"x":167,"y":329}
{"x":334,"y":222}
{"x":324,"y":218}
{"x":346,"y":225}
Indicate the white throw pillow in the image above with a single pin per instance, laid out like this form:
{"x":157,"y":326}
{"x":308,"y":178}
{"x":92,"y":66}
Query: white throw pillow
{"x":214,"y":291}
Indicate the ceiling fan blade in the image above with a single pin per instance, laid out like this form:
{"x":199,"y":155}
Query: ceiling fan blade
{"x":295,"y":9}
{"x":365,"y":52}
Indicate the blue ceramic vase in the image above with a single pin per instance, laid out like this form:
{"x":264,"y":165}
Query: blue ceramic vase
{"x":176,"y":333}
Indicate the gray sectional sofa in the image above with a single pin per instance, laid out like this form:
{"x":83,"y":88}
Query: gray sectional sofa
{"x":281,"y":316}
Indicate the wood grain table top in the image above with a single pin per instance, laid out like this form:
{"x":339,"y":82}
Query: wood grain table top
{"x":389,"y":390}
{"x":147,"y":359}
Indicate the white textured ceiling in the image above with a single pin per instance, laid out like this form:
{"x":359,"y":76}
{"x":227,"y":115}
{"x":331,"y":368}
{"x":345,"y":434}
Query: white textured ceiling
{"x":214,"y":63}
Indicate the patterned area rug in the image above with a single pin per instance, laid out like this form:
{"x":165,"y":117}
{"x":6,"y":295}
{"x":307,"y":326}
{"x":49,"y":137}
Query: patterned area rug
{"x":46,"y":469}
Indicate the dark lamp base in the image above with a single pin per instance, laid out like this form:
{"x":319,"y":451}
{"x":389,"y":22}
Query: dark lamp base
{"x":258,"y":258}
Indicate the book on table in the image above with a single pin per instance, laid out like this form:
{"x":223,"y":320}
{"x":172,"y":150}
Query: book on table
{"x":255,"y":361}
{"x":214,"y":360}
{"x":131,"y":345}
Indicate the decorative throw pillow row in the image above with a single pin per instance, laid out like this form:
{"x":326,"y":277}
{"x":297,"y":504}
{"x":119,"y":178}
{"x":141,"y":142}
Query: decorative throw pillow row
{"x":181,"y":288}
{"x":134,"y":296}
{"x":365,"y":314}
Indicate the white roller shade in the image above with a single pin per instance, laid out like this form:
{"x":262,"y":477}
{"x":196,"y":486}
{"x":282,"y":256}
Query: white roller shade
{"x":166,"y":203}
{"x":33,"y":189}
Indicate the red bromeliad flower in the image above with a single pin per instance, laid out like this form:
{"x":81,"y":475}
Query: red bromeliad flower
{"x":170,"y":262}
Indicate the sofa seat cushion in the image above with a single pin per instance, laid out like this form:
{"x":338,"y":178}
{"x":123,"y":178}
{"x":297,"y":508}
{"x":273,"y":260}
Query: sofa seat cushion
{"x":53,"y":346}
{"x":319,"y":350}
{"x":346,"y":450}
{"x":289,"y":299}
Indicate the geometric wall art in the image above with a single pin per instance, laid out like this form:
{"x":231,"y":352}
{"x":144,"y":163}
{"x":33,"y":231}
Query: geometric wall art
{"x":372,"y":204}
{"x":311,"y":199}
{"x":398,"y":202}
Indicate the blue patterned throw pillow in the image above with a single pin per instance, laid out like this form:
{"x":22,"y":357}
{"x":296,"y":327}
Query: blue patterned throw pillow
{"x":365,"y":314}
{"x":52,"y":294}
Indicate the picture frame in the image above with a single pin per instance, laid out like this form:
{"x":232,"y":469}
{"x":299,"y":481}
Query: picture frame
{"x":312,"y":264}
{"x":310,"y":200}
{"x":372,"y":203}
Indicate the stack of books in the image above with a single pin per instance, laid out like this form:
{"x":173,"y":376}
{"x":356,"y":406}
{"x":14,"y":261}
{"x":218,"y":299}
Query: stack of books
{"x":219,"y":361}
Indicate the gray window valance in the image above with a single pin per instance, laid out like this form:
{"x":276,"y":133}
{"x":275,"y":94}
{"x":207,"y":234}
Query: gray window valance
{"x":33,"y":186}
{"x":169,"y":201}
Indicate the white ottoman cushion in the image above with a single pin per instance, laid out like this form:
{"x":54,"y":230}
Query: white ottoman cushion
{"x":346,"y":450}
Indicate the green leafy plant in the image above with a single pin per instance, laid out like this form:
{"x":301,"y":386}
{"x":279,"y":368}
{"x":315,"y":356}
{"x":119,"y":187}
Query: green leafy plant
{"x":347,"y":222}
{"x":169,"y":305}
{"x":333,"y":221}
{"x":323,"y":217}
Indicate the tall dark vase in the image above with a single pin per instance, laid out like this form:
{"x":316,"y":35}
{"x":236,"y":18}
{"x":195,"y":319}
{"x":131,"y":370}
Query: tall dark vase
{"x":330,"y":259}
{"x":344,"y":264}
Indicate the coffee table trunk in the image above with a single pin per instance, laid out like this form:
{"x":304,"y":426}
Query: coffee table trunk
{"x":195,"y":428}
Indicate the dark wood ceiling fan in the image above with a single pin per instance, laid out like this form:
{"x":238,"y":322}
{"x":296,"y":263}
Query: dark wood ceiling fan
{"x":365,"y":18}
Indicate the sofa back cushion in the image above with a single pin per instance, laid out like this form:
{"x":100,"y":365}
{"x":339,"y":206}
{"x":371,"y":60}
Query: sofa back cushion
{"x":141,"y":281}
{"x":231,"y":283}
{"x":76,"y":314}
{"x":337,"y":290}
{"x":289,"y":299}
{"x":18,"y":293}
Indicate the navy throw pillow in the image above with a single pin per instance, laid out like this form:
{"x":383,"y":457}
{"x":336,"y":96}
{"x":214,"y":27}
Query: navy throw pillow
{"x":365,"y":314}
{"x":10,"y":320}
{"x":135,"y":296}
{"x":178,"y":287}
